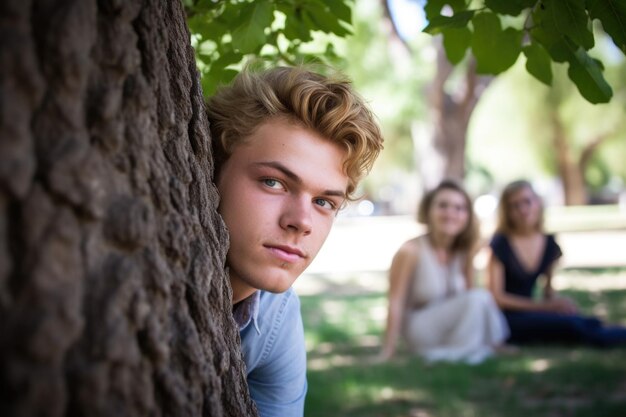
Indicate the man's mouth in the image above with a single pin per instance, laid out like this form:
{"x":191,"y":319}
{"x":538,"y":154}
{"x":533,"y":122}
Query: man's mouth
{"x":286,"y":253}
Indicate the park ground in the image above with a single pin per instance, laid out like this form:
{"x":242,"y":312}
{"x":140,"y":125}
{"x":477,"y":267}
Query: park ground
{"x":343,"y":299}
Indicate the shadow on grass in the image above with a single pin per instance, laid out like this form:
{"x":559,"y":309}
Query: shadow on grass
{"x":343,"y":336}
{"x":589,"y":386}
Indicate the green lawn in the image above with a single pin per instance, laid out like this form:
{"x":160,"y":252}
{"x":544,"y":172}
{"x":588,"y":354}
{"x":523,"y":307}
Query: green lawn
{"x":343,"y":333}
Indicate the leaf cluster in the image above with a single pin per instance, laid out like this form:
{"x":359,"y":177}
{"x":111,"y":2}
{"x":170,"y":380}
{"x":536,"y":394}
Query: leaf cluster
{"x":544,"y":31}
{"x":225,"y":33}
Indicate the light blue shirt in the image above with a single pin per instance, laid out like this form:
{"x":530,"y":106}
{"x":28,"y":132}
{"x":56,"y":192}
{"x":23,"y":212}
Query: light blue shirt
{"x":272,"y":341}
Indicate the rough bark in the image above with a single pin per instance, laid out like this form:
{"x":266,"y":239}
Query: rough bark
{"x":113,"y":292}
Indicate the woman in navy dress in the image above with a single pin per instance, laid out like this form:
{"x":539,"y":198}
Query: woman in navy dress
{"x":521,"y":253}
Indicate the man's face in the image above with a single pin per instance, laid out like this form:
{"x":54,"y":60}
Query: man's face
{"x":280,"y":192}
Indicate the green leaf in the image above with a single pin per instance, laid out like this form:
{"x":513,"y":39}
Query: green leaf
{"x":228,"y":58}
{"x":232,"y":13}
{"x":457,"y":5}
{"x":340,"y":9}
{"x":510,"y":7}
{"x":455,"y":42}
{"x":586,"y":73}
{"x":612,"y":14}
{"x":545,"y":33}
{"x":208,"y":29}
{"x":495,"y":50}
{"x":295,"y":27}
{"x":213,"y":79}
{"x":538,"y":63}
{"x":324,"y":20}
{"x":204,"y":5}
{"x":569,"y":17}
{"x":433,"y":8}
{"x":249,"y":36}
{"x":458,"y":20}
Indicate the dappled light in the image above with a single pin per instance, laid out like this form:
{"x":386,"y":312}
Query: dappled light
{"x":539,"y":365}
{"x":344,"y":330}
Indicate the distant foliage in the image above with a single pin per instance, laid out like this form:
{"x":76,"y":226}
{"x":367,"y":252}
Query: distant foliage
{"x":224,"y":33}
{"x":545,"y":31}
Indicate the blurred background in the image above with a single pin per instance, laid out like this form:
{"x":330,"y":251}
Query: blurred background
{"x":443,"y":120}
{"x":440,"y":120}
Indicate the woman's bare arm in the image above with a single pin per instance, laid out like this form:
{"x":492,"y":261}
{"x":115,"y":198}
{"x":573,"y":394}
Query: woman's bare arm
{"x":400,"y":273}
{"x":468,"y":268}
{"x":550,"y":295}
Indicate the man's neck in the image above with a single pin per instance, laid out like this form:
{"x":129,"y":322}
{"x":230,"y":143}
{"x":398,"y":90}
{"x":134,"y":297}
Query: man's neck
{"x":240,"y":292}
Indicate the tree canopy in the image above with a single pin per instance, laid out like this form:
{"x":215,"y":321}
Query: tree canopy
{"x":544,"y":31}
{"x":225,"y":33}
{"x":495,"y":31}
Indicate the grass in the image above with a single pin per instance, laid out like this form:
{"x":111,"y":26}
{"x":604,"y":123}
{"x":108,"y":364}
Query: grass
{"x":343,"y":332}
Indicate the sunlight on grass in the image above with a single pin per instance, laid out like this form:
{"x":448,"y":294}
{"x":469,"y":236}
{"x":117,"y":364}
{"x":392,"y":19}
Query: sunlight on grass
{"x":343,"y":332}
{"x":539,"y":365}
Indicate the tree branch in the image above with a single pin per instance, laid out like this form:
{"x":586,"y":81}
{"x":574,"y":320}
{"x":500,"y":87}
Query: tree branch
{"x":590,"y":148}
{"x":394,"y":33}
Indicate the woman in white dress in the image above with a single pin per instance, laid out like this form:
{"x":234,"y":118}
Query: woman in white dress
{"x":432,"y":301}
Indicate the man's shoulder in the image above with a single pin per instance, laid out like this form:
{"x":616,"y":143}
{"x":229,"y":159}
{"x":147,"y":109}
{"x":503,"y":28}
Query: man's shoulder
{"x":275,"y":355}
{"x":276,"y":330}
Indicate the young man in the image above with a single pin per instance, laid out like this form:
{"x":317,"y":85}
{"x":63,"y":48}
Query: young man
{"x":290,"y":147}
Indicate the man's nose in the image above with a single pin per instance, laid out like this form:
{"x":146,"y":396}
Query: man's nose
{"x":297,"y":215}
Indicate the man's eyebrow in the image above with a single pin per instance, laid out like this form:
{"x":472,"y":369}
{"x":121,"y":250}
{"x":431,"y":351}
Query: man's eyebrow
{"x":295,"y":178}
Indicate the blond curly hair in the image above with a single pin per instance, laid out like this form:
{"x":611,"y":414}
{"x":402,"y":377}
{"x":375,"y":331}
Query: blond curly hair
{"x":328,"y":105}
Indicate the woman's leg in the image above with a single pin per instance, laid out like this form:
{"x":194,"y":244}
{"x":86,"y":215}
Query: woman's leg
{"x":540,"y":327}
{"x":608,"y":336}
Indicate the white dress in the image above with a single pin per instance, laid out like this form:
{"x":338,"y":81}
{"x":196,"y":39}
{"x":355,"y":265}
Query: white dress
{"x":444,"y":320}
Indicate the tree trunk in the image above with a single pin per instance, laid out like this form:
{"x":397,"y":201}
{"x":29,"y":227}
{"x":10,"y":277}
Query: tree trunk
{"x":570,"y":170}
{"x":444,"y":155}
{"x":113,"y":293}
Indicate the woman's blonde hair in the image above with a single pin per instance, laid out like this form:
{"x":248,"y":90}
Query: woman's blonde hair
{"x":505,"y":223}
{"x":328,"y":105}
{"x":468,"y":238}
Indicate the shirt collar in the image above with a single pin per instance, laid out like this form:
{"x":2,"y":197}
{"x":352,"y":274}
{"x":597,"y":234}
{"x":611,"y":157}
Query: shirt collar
{"x":247,"y":311}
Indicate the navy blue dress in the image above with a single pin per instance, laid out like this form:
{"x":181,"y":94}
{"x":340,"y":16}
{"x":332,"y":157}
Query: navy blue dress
{"x":532,"y":326}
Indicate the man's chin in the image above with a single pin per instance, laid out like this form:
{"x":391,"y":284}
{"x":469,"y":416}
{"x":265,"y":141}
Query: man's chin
{"x":277,"y":289}
{"x":280,"y":284}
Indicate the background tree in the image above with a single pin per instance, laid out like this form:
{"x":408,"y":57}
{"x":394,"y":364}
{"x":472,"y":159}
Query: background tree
{"x":476,"y":40}
{"x":552,"y":131}
{"x":451,"y":96}
{"x":544,"y":31}
{"x":495,"y":41}
{"x":113,"y":293}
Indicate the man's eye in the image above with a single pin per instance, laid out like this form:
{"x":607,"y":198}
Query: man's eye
{"x":329,"y":205}
{"x":272,"y":183}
